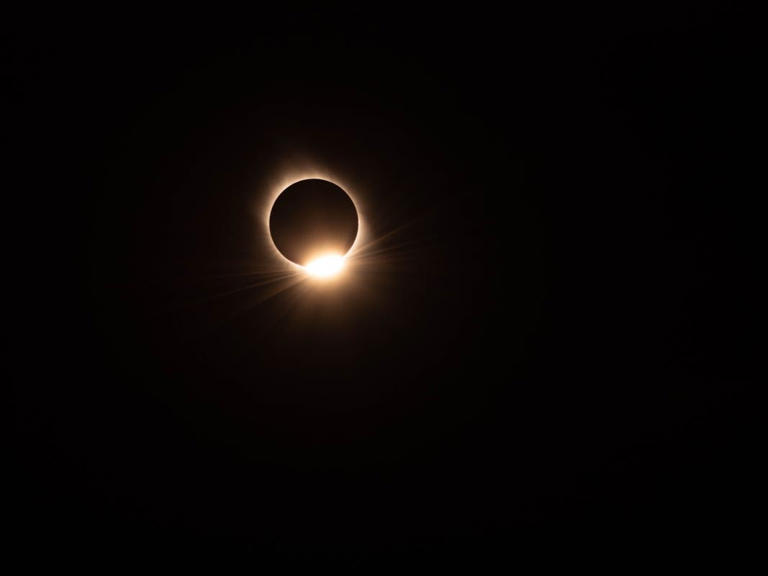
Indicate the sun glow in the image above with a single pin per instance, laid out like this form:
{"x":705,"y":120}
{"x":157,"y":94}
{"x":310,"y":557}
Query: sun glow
{"x":278,"y":186}
{"x":326,"y":266}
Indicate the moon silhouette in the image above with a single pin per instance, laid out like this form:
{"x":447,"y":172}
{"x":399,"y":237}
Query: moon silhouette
{"x":313,"y":219}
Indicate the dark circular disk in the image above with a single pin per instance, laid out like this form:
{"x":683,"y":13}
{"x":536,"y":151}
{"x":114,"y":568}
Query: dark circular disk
{"x":313,"y":218}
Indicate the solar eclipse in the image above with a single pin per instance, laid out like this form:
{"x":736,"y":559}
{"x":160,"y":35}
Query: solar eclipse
{"x":332,"y":285}
{"x":313,"y":224}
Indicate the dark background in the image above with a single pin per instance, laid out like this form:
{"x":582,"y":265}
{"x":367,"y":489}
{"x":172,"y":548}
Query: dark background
{"x":554,"y":344}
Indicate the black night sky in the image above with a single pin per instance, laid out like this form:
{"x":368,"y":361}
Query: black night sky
{"x":551,"y":347}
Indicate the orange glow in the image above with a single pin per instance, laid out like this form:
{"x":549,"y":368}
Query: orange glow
{"x":325,"y":266}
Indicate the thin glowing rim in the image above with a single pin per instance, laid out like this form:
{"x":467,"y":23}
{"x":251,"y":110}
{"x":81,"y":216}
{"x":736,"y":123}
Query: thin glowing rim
{"x":289,"y":181}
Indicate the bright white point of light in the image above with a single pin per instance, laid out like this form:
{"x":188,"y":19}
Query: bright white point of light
{"x":325,"y":266}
